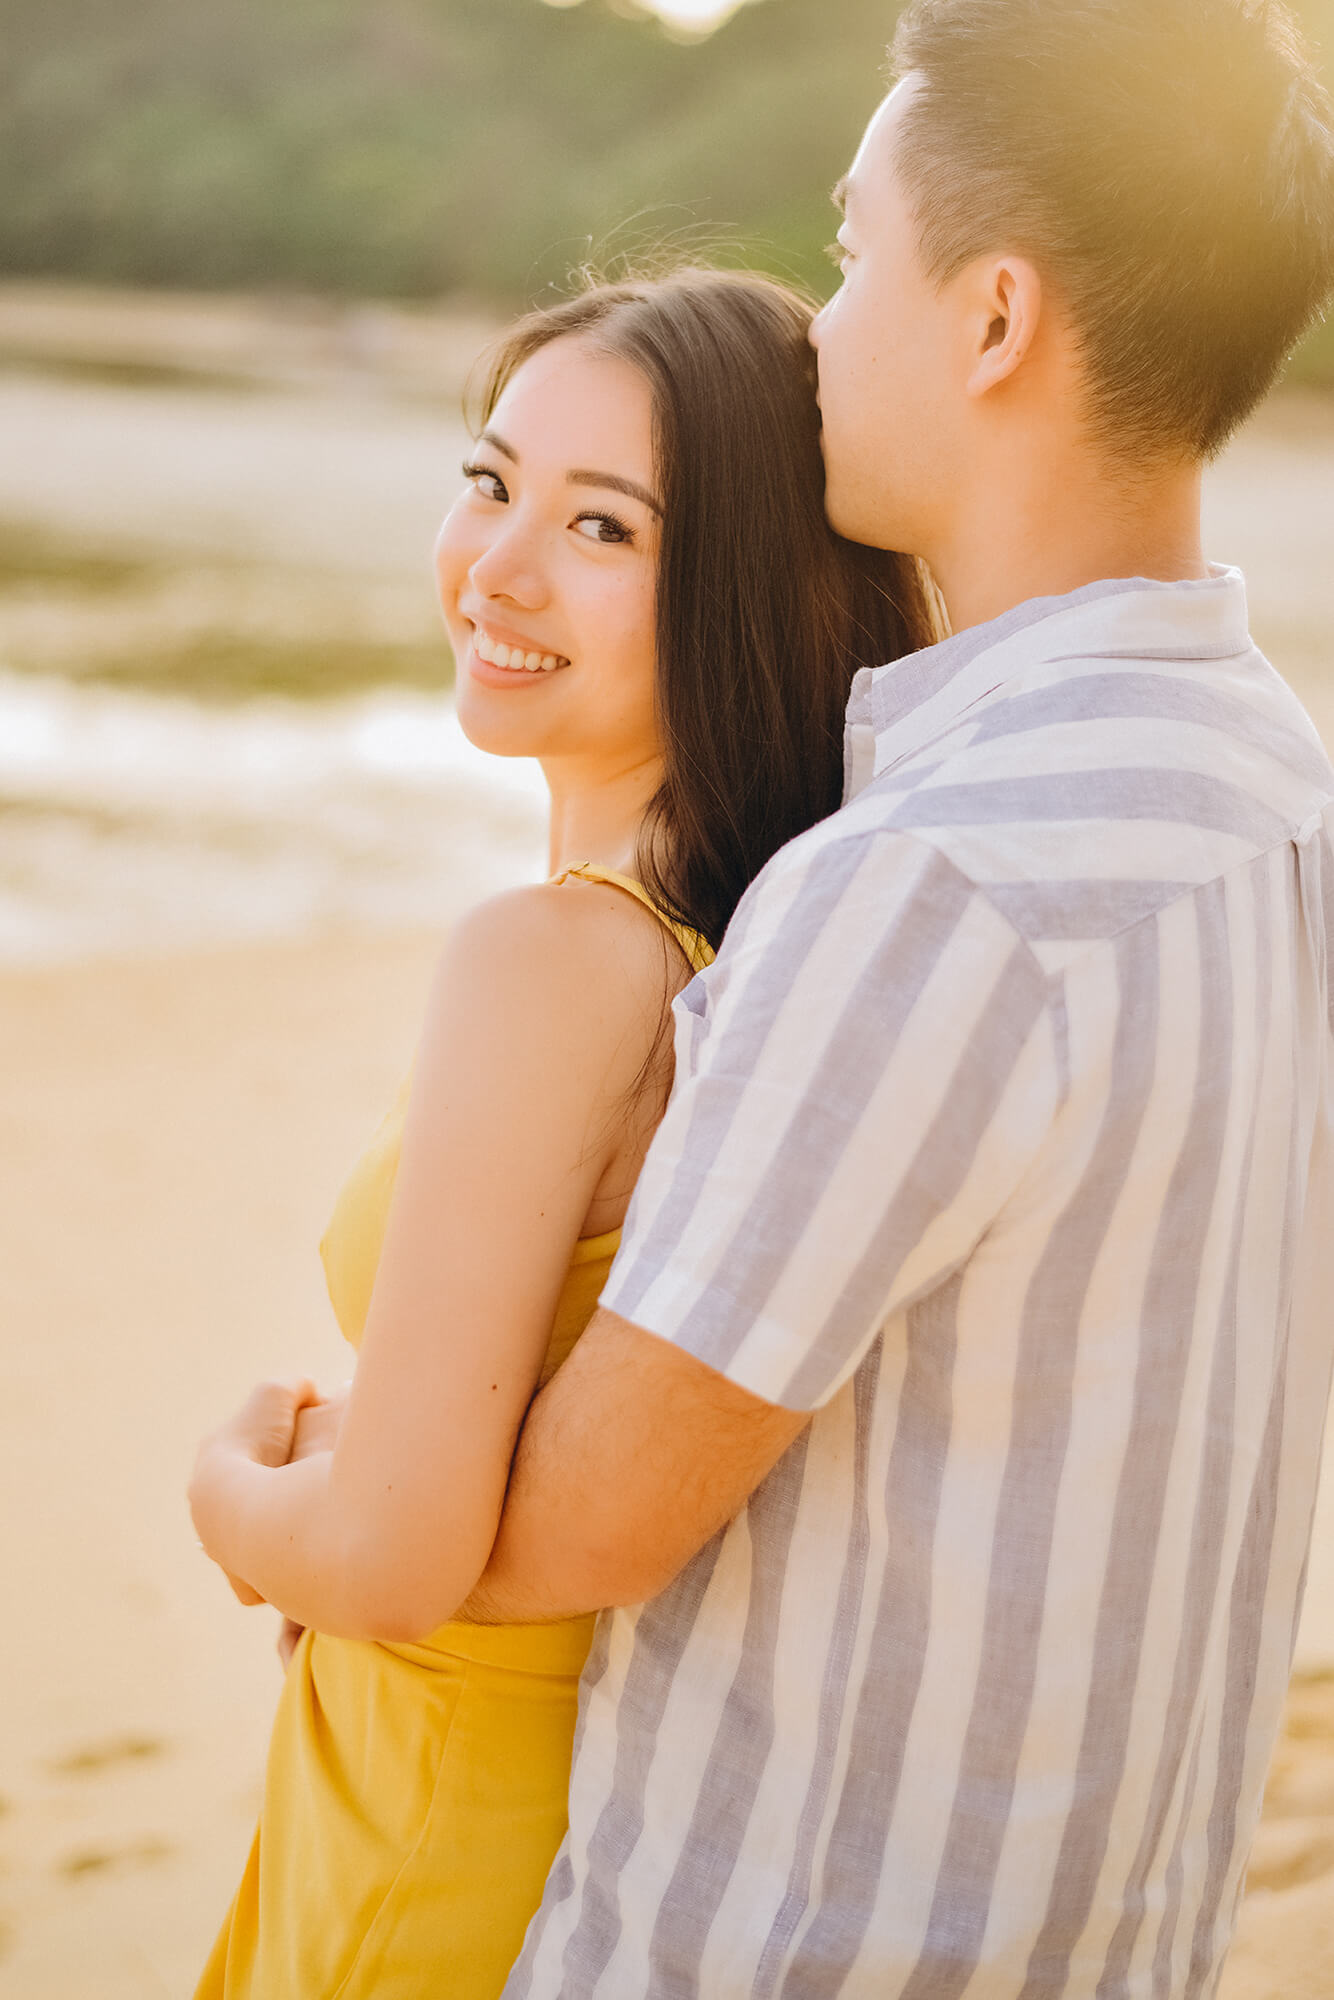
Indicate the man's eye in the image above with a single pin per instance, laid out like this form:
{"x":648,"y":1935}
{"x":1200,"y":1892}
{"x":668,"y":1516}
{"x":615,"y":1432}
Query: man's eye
{"x":489,"y":484}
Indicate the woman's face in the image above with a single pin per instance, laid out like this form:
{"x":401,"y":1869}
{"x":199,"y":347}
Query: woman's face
{"x":547,"y":566}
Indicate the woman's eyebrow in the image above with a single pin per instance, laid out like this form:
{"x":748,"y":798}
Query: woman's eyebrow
{"x":494,"y":439}
{"x":615,"y":484}
{"x":611,"y":480}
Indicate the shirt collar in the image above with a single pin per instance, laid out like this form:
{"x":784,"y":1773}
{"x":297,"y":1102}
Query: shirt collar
{"x":894,"y":711}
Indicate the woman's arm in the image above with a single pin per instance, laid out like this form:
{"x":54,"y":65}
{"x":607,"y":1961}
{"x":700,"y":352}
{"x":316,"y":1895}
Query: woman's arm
{"x":544,"y":1009}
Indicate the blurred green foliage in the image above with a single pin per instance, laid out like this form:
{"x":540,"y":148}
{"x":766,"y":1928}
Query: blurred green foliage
{"x":414,"y":147}
{"x":428,"y":147}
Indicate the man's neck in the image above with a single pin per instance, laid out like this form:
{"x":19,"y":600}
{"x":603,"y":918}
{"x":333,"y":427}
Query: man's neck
{"x":1009,"y":546}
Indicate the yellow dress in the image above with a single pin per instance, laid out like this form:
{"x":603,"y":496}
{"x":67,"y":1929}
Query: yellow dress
{"x":415,"y":1795}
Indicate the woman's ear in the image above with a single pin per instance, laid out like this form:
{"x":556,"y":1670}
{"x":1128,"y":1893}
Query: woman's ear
{"x":1008,"y":311}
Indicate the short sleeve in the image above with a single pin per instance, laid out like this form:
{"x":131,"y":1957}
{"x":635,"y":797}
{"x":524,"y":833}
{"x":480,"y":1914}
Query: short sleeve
{"x":862,"y":1078}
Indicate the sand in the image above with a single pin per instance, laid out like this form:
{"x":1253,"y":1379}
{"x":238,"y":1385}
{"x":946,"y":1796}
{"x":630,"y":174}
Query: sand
{"x":172,"y":1133}
{"x":171,"y":1138}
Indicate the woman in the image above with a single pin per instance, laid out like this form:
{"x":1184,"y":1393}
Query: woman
{"x":641,"y":592}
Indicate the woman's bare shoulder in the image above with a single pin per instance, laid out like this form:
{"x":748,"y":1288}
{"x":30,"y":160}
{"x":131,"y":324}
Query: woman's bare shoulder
{"x":573,"y":926}
{"x":574,"y":967}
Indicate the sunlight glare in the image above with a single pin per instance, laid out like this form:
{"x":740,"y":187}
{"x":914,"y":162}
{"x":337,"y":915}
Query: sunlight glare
{"x":694,"y":13}
{"x":699,"y":16}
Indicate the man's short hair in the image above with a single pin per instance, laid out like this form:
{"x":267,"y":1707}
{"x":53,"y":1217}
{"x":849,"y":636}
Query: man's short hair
{"x":1167,"y":164}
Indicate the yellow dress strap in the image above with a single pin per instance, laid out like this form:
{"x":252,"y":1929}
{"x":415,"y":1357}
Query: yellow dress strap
{"x":696,"y":948}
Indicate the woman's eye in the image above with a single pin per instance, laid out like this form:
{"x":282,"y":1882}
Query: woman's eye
{"x":489,"y":484}
{"x":603,"y":528}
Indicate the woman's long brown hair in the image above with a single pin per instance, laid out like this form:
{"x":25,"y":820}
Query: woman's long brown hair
{"x":764,"y":614}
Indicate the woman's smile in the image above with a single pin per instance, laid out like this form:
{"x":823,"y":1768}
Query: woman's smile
{"x":503,"y":658}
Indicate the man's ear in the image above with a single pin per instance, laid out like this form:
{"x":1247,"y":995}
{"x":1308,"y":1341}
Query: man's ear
{"x":1007,"y":314}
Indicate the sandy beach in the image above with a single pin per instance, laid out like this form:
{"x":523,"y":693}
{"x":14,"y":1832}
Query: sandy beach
{"x":173,"y":1136}
{"x":180,"y":1098}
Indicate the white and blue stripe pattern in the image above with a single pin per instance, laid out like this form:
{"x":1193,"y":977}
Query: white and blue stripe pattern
{"x":1002,"y":1140}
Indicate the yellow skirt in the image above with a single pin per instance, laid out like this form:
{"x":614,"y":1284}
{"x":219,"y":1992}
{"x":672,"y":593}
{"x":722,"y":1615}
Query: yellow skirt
{"x":414,"y":1801}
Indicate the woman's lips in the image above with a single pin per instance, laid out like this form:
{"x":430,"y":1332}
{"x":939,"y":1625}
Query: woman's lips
{"x":499,"y":661}
{"x":518,"y":655}
{"x":491,"y":675}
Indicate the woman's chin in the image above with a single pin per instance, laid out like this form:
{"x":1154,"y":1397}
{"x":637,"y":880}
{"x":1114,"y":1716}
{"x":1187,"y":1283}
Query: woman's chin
{"x":491,"y":724}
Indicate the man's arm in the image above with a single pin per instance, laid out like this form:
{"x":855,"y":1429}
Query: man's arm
{"x":631,"y":1459}
{"x":869,"y":1070}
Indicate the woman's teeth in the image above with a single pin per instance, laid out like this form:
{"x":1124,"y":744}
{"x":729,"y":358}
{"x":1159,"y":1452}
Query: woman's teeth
{"x":515,"y":657}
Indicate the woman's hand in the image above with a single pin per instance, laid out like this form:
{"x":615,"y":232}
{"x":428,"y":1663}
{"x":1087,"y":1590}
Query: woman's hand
{"x":289,"y":1636}
{"x":318,"y":1425}
{"x":264,"y":1428}
{"x":263,"y":1432}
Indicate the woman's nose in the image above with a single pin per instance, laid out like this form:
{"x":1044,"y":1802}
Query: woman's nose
{"x":509,"y":567}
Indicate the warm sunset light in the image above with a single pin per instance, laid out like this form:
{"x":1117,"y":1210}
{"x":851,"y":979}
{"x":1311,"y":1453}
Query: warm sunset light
{"x":700,"y":16}
{"x":666,"y":999}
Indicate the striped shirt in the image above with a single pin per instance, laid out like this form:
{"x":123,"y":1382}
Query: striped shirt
{"x":1001,"y":1140}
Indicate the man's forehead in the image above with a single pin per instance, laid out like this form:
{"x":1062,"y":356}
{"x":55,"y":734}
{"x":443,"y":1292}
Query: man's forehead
{"x":874,"y":168}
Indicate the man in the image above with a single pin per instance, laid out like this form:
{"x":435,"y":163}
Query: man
{"x":954,"y":1414}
